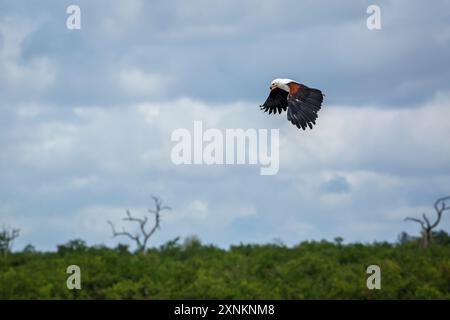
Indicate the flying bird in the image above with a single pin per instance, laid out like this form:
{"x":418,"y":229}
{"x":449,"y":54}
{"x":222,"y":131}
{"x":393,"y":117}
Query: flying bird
{"x":301,"y":102}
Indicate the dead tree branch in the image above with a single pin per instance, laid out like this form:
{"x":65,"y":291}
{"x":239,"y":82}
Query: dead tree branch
{"x":427,"y":227}
{"x":7,"y":237}
{"x":141,"y":239}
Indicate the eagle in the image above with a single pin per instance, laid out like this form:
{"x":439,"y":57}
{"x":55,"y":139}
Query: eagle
{"x":301,"y":102}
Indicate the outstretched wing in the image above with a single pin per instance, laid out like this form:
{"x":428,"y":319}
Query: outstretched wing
{"x":276,"y":102}
{"x":303,"y":105}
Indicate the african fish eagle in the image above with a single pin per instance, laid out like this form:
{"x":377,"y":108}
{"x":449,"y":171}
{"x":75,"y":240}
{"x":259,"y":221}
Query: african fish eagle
{"x":302,"y":103}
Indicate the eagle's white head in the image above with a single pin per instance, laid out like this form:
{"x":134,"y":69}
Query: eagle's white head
{"x":280,"y":83}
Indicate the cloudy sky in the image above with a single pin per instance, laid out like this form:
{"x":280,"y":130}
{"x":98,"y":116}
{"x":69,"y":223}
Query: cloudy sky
{"x":86,"y":117}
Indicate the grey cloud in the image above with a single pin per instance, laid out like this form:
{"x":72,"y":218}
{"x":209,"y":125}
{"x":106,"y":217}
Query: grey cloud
{"x":337,"y":184}
{"x":64,"y":163}
{"x":221,"y":53}
{"x":95,"y":136}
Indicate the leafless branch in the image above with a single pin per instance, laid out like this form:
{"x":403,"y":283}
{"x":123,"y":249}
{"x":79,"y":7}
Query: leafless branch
{"x":122,"y":233}
{"x":427,"y":228}
{"x":427,"y":222}
{"x":7,"y":237}
{"x":415,"y":220}
{"x":142,"y":239}
{"x":440,"y":210}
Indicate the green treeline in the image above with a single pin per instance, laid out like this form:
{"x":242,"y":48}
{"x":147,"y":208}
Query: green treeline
{"x":310,"y":270}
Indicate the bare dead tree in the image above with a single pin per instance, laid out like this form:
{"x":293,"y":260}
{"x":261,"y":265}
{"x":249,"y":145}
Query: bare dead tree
{"x":141,"y":238}
{"x":7,"y":237}
{"x":427,"y":227}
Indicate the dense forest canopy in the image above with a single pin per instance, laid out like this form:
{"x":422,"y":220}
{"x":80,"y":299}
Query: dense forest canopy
{"x":191,"y":270}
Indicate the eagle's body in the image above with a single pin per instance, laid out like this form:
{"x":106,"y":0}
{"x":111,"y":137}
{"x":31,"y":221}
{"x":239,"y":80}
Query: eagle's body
{"x":301,"y":102}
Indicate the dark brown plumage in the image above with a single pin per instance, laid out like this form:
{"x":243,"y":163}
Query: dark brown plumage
{"x":301,"y":102}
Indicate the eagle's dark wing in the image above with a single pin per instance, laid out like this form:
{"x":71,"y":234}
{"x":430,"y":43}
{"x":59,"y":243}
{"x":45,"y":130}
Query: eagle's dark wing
{"x":303,"y":105}
{"x":276,"y":102}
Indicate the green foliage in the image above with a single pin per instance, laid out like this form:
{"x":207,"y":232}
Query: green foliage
{"x":191,"y":270}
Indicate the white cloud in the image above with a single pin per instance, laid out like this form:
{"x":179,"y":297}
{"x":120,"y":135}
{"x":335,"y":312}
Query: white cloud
{"x":135,"y":82}
{"x":196,"y":210}
{"x":83,"y":182}
{"x":69,"y":159}
{"x":36,"y":73}
{"x":118,"y":18}
{"x":97,"y":155}
{"x":411,"y":141}
{"x":92,"y":222}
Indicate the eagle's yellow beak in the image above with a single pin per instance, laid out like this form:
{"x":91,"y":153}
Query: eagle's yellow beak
{"x":273,"y":86}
